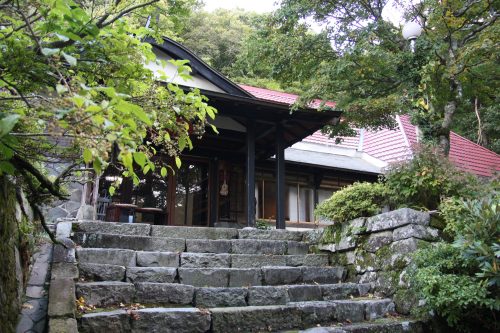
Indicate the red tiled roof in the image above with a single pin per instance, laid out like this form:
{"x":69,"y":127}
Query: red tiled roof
{"x":280,"y":97}
{"x":394,"y":145}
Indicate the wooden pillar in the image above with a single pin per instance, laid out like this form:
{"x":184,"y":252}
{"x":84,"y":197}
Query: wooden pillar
{"x":318,"y":176}
{"x":280,"y":178}
{"x":213,"y":191}
{"x":250,"y":172}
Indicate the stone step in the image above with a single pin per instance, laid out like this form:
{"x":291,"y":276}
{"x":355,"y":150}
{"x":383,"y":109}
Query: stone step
{"x":123,"y":257}
{"x":381,"y":326}
{"x":147,"y":243}
{"x":109,"y":293}
{"x":235,"y":319}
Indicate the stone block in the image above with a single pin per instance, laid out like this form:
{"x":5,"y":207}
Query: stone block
{"x":101,"y":272}
{"x":157,"y":259}
{"x":131,"y":229}
{"x":281,"y":275}
{"x":316,"y":260}
{"x":151,"y":274}
{"x":138,"y":243}
{"x":106,"y":256}
{"x":208,"y":246}
{"x":35,"y":291}
{"x":217,"y":297}
{"x":396,"y":218}
{"x":255,"y":318}
{"x":267,"y":295}
{"x":315,"y":313}
{"x":257,"y":261}
{"x":295,"y":248}
{"x":204,"y":277}
{"x":368,"y":277}
{"x":322,"y":274}
{"x":60,"y":325}
{"x":358,"y":226}
{"x":63,"y":229}
{"x":303,"y":293}
{"x":171,"y":320}
{"x":64,"y":270}
{"x":55,"y":213}
{"x":347,"y":310}
{"x":64,"y":252}
{"x":164,"y":293}
{"x":312,"y":236}
{"x":416,"y":231}
{"x":275,"y":234}
{"x":193,"y":233}
{"x":332,"y":292}
{"x":62,"y":298}
{"x":241,"y":277}
{"x":376,"y":240}
{"x":404,"y":246}
{"x":117,"y":321}
{"x":375,"y":309}
{"x":255,"y":246}
{"x":105,"y":293}
{"x":205,"y":260}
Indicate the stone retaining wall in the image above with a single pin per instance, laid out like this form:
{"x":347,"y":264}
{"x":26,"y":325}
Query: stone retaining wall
{"x":377,"y":250}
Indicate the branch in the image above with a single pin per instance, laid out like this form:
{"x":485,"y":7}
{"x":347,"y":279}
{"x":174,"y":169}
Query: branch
{"x":126,"y":11}
{"x":64,"y":174}
{"x":474,"y":32}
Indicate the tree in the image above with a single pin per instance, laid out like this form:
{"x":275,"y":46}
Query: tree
{"x":453,"y":71}
{"x":74,"y":88}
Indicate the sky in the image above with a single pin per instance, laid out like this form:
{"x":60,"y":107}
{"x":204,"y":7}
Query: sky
{"x":262,"y":6}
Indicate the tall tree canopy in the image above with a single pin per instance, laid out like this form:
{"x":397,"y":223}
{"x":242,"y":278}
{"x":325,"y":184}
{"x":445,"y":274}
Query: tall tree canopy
{"x":449,"y":82}
{"x":74,"y":73}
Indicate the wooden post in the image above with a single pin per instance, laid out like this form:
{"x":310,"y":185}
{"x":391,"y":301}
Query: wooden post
{"x":280,"y":178}
{"x":250,"y":172}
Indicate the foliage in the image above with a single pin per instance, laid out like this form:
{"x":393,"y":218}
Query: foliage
{"x":460,"y":280}
{"x":452,"y":75}
{"x":73,"y":73}
{"x":424,"y":180}
{"x":262,"y":225}
{"x":356,"y":200}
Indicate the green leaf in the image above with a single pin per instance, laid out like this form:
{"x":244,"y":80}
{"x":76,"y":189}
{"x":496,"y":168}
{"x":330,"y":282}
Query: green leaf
{"x":146,"y":169}
{"x":136,"y":110}
{"x":48,"y":52}
{"x":7,"y":123}
{"x":214,"y":128}
{"x":182,"y":143}
{"x":61,"y":89}
{"x":70,"y":59}
{"x":87,"y":155}
{"x":112,"y":190}
{"x":163,"y":171}
{"x":178,"y":162}
{"x":140,"y":158}
{"x":79,"y":101}
{"x":6,"y":167}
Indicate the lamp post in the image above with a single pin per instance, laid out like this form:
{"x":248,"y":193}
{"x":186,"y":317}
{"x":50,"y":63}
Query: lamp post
{"x":411,"y":31}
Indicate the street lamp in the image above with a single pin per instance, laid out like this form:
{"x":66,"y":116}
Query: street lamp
{"x":411,"y":31}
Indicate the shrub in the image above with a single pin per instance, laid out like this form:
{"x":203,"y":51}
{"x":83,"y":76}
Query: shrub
{"x":427,"y":178}
{"x":460,"y":280}
{"x":356,"y":200}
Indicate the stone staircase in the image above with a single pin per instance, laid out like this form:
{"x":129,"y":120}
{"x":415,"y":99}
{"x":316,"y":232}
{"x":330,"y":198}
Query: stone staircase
{"x":217,"y":280}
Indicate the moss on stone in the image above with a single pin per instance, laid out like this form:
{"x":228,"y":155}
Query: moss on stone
{"x":331,"y":234}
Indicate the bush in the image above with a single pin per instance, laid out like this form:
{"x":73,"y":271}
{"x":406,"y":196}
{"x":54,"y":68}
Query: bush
{"x":460,"y":280}
{"x":424,"y":180}
{"x":356,"y":200}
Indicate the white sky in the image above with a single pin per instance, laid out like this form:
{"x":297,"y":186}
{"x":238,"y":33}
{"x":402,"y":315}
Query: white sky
{"x":263,"y":6}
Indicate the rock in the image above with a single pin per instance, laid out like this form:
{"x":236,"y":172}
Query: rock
{"x":312,"y":236}
{"x":322,"y":274}
{"x":316,"y":313}
{"x":62,"y":298}
{"x":65,"y":252}
{"x":67,"y":325}
{"x":55,"y":213}
{"x":106,"y":256}
{"x":267,"y":295}
{"x":302,"y":293}
{"x":194,"y":233}
{"x":416,"y":231}
{"x":281,"y":275}
{"x":347,"y":310}
{"x":63,"y":229}
{"x":164,"y":293}
{"x":375,"y":309}
{"x":241,"y":277}
{"x":131,"y":229}
{"x":157,"y":259}
{"x":317,"y":260}
{"x":204,"y":277}
{"x":257,"y":261}
{"x":332,"y":292}
{"x":117,"y":321}
{"x":171,"y":320}
{"x":217,"y":297}
{"x":358,"y":226}
{"x":397,"y":218}
{"x":368,"y":277}
{"x":208,"y":246}
{"x":205,"y":260}
{"x":76,"y":195}
{"x":140,"y":243}
{"x":376,"y":240}
{"x":297,"y":247}
{"x":105,"y":293}
{"x":102,"y":272}
{"x":151,"y":274}
{"x":85,"y":212}
{"x":275,"y":234}
{"x":404,"y":246}
{"x":252,"y":246}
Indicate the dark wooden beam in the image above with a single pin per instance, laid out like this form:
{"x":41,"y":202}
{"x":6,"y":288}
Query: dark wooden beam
{"x":250,"y":172}
{"x":280,"y":178}
{"x":213,"y":190}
